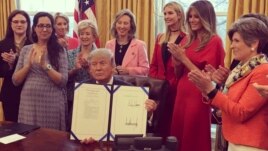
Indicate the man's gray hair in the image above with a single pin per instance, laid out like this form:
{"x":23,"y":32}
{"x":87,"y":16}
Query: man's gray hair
{"x":103,"y":52}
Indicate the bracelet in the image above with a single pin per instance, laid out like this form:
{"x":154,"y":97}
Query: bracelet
{"x":212,"y":94}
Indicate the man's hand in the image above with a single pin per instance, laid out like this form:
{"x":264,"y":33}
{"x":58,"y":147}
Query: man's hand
{"x":89,"y":140}
{"x":150,"y":105}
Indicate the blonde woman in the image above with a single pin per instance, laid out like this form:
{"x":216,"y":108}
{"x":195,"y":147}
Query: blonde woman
{"x":191,"y":118}
{"x":62,"y":29}
{"x":130,"y":53}
{"x":77,"y":59}
{"x":162,"y":66}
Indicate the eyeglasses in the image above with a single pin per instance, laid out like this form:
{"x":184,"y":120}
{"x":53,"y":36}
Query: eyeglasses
{"x":42,"y":26}
{"x":19,"y":21}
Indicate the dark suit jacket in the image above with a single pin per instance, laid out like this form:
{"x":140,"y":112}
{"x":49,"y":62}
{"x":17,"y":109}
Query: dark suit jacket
{"x":10,"y":94}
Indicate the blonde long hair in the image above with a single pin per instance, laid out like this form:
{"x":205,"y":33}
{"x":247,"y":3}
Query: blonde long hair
{"x":179,"y":10}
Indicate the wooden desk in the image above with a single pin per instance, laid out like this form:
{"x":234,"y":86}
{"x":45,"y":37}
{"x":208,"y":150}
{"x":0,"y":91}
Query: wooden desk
{"x":51,"y":140}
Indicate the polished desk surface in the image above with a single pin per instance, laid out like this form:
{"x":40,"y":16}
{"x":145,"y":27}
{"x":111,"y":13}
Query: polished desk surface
{"x":52,"y":140}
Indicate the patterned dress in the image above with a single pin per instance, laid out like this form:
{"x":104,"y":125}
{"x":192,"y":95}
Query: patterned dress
{"x":43,"y":102}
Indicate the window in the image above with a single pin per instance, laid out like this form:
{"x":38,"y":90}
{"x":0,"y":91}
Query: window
{"x":220,"y":6}
{"x":51,"y":6}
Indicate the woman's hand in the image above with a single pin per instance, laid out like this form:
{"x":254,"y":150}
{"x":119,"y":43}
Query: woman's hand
{"x":121,"y":70}
{"x":31,"y":57}
{"x":262,"y":89}
{"x":42,"y":58}
{"x":9,"y":57}
{"x":201,"y":80}
{"x":84,"y":63}
{"x":177,"y":51}
{"x":63,"y":42}
{"x":217,"y":75}
{"x":81,"y":62}
{"x":150,"y":105}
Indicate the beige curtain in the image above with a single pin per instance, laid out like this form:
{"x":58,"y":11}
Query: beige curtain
{"x":142,"y":9}
{"x":6,"y":6}
{"x":235,"y":10}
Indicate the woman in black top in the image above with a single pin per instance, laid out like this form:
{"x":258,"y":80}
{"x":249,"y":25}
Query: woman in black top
{"x":17,"y":35}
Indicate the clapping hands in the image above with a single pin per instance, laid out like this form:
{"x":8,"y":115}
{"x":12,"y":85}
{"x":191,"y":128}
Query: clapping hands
{"x":217,"y":75}
{"x":9,"y":57}
{"x":38,"y":55}
{"x":177,"y":51}
{"x":202,"y":80}
{"x":81,"y":62}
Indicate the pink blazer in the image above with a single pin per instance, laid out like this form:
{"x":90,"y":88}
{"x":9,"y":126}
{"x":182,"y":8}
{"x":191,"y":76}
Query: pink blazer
{"x":135,"y":59}
{"x":244,"y":111}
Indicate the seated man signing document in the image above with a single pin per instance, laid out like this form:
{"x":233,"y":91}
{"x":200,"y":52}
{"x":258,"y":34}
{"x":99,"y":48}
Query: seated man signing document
{"x":101,"y":68}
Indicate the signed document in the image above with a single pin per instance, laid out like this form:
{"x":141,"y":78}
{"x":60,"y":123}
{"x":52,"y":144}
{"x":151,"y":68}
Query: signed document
{"x":90,"y":111}
{"x":129,"y":115}
{"x":96,"y":105}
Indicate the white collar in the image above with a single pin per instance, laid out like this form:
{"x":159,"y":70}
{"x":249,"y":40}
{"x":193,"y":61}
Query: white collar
{"x":110,"y":82}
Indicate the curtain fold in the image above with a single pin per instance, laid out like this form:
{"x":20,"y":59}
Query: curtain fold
{"x":6,"y":6}
{"x":238,"y":8}
{"x":143,"y":11}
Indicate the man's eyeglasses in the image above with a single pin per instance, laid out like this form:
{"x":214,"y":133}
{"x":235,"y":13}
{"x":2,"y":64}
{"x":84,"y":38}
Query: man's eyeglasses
{"x":19,"y":21}
{"x":42,"y":26}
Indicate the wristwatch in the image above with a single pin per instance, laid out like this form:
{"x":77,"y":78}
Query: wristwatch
{"x":212,"y":94}
{"x":48,"y":67}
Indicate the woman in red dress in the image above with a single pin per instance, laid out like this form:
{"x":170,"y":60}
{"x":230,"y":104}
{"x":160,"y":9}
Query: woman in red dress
{"x":162,"y":67}
{"x":191,"y":117}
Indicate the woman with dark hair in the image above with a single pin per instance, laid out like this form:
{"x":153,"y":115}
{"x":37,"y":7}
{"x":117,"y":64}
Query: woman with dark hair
{"x":17,"y":35}
{"x":244,"y":110}
{"x":130,"y":53}
{"x":191,"y":118}
{"x":43,"y":68}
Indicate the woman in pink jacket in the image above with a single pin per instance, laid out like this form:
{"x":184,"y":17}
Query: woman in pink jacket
{"x":130,"y":53}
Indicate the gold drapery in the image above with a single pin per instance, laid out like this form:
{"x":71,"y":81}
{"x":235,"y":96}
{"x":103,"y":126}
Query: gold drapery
{"x":6,"y":6}
{"x":142,"y":9}
{"x":238,"y":8}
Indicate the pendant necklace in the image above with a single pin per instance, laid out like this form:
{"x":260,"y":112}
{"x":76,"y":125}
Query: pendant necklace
{"x":121,"y":47}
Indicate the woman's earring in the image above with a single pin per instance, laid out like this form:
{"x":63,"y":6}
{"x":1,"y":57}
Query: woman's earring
{"x":252,"y":49}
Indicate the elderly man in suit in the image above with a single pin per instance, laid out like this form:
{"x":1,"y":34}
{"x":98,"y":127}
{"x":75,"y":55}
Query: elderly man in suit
{"x":101,"y":68}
